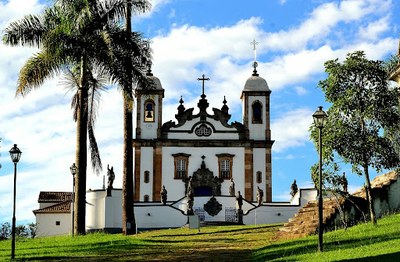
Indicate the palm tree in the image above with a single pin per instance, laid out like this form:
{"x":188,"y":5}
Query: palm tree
{"x":68,"y":33}
{"x":128,"y":217}
{"x":130,"y":57}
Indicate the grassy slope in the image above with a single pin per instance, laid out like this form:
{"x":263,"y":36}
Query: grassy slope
{"x":365,"y":242}
{"x":230,"y":243}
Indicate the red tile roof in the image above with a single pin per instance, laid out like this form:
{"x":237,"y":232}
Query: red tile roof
{"x":54,"y":196}
{"x":63,"y":207}
{"x":379,"y":182}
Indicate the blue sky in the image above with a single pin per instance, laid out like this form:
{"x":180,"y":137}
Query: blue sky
{"x":191,"y":38}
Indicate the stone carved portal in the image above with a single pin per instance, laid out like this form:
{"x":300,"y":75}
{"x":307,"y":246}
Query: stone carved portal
{"x":204,"y":183}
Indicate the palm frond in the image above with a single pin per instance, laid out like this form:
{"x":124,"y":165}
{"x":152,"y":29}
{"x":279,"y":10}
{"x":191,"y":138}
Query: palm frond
{"x":94,"y":151}
{"x":27,"y":31}
{"x":36,"y":70}
{"x":141,"y":6}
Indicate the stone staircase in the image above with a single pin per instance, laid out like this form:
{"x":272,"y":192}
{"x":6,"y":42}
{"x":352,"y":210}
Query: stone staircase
{"x":305,"y":222}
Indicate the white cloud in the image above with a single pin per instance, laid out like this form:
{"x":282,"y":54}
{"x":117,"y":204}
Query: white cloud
{"x":300,"y":91}
{"x":374,"y":29}
{"x":291,"y":129}
{"x":322,"y":20}
{"x":16,"y":9}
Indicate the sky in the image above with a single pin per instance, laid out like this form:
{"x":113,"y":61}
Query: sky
{"x":190,"y":38}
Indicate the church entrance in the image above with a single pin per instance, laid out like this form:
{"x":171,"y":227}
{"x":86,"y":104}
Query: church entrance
{"x":203,"y":191}
{"x":204,"y":183}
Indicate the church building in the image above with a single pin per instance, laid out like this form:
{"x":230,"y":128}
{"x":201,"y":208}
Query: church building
{"x":198,"y":164}
{"x":201,"y":145}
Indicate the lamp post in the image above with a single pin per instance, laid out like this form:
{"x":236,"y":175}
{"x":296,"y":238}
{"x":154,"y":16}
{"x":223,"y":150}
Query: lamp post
{"x":73,"y":170}
{"x":319,"y":120}
{"x":15,"y":154}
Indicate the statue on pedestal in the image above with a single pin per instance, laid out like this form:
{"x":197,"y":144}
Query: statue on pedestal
{"x":293,"y":188}
{"x":163,"y":195}
{"x":232,"y":188}
{"x":190,"y":198}
{"x":239,"y":204}
{"x":111,"y":177}
{"x":260,"y":195}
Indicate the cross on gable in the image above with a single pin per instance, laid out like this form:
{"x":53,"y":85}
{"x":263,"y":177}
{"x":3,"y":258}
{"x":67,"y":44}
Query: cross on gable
{"x":203,"y":79}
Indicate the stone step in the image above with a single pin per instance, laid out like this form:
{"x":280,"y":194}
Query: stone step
{"x":305,"y":222}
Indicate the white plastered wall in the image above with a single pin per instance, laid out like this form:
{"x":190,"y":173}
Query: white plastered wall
{"x":47,"y":224}
{"x":256,"y":131}
{"x":176,"y":188}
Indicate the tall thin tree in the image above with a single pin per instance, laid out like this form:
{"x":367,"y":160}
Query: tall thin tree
{"x":128,"y":217}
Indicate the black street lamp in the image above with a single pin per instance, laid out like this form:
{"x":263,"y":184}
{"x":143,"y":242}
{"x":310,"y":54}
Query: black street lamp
{"x":73,"y":170}
{"x":319,"y":120}
{"x":15,"y":154}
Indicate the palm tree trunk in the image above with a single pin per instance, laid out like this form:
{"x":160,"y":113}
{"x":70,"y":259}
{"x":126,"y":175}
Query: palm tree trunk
{"x":128,"y":217}
{"x":81,"y":153}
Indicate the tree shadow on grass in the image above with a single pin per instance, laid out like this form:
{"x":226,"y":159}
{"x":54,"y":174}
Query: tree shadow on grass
{"x":379,"y":258}
{"x":237,"y":230}
{"x":309,"y":245}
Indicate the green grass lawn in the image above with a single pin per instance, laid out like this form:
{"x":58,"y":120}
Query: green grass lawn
{"x":227,"y":243}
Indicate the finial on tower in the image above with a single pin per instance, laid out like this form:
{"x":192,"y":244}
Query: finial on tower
{"x":254,"y":43}
{"x":149,"y":64}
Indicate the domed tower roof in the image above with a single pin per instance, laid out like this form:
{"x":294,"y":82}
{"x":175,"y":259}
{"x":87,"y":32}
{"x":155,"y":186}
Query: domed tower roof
{"x":155,"y":82}
{"x":255,"y":83}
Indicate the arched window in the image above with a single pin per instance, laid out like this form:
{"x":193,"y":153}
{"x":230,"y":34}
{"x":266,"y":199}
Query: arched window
{"x":149,"y":111}
{"x":146,"y":176}
{"x":257,"y":112}
{"x":259,"y":177}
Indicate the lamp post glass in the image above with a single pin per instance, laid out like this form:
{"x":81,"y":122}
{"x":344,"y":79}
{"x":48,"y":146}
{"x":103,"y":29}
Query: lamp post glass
{"x":319,"y":117}
{"x":15,"y":154}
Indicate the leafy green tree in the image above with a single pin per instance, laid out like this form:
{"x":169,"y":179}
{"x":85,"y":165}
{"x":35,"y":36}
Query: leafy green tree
{"x":5,"y":231}
{"x":21,"y":231}
{"x":392,"y":66}
{"x":32,"y":229}
{"x":362,"y":106}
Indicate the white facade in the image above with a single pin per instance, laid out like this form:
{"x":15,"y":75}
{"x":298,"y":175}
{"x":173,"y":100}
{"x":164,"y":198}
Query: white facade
{"x":169,"y":154}
{"x":202,"y":157}
{"x":53,"y":224}
{"x":173,"y":214}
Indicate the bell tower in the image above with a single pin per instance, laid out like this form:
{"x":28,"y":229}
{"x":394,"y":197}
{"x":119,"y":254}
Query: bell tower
{"x":149,"y":108}
{"x":256,"y":118}
{"x":148,"y":153}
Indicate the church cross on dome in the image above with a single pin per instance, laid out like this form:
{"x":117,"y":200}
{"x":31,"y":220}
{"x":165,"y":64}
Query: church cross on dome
{"x":203,"y":79}
{"x":254,"y":43}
